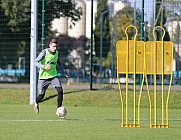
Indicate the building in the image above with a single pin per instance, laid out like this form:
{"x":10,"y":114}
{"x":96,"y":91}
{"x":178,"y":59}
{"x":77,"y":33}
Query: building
{"x":83,"y":26}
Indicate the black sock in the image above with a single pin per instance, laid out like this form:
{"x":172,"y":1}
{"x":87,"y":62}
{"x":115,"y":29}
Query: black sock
{"x":39,"y":98}
{"x":60,"y":96}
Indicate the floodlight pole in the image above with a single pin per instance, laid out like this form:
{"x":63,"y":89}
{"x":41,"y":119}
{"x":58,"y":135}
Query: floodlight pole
{"x":34,"y":43}
{"x":43,"y":25}
{"x":142,"y":30}
{"x":142,"y":22}
{"x":135,"y":13}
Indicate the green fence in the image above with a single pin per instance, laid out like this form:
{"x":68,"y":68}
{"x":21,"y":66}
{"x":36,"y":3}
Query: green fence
{"x":70,"y":22}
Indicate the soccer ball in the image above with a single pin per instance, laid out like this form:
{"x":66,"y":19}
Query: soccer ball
{"x":61,"y":112}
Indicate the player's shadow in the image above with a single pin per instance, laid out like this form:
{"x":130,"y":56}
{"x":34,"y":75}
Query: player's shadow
{"x":55,"y":95}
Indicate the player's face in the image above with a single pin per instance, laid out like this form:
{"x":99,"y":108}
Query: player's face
{"x":53,"y":47}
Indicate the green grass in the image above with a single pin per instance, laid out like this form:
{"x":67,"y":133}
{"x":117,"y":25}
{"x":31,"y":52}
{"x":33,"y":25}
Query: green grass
{"x":92,"y":115}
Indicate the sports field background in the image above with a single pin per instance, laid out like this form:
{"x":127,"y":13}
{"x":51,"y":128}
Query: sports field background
{"x":92,"y":115}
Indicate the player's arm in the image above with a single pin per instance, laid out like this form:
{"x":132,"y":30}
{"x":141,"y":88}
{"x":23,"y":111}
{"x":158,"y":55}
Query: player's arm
{"x":60,"y":66}
{"x":39,"y":58}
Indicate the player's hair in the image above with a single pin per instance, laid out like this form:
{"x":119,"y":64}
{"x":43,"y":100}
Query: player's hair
{"x":54,"y":40}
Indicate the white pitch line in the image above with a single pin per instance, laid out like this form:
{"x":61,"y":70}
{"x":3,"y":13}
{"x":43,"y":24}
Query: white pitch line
{"x":60,"y":120}
{"x":32,"y":120}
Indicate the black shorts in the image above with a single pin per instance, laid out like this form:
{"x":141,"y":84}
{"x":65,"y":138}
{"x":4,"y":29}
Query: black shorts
{"x":44,"y":83}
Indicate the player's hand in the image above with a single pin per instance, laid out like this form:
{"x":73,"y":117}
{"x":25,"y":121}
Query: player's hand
{"x":47,"y":67}
{"x":67,"y":76}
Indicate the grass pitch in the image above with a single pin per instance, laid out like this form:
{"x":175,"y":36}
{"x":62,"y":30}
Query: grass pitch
{"x":92,"y":115}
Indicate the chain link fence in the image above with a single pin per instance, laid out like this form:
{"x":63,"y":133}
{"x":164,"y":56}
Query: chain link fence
{"x":70,"y":22}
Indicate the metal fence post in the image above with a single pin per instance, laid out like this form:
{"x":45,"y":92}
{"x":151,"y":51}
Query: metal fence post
{"x":34,"y":34}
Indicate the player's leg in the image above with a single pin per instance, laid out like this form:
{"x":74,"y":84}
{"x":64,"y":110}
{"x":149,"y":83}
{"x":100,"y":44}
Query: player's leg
{"x":42,"y":87}
{"x":58,"y":86}
{"x":60,"y":96}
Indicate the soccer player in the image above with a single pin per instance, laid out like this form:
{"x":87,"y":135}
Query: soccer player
{"x":48,"y":62}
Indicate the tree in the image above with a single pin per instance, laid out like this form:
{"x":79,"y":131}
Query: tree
{"x":161,"y":20}
{"x":56,"y":9}
{"x":14,"y":31}
{"x":102,"y":7}
{"x":15,"y":26}
{"x":124,"y":18}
